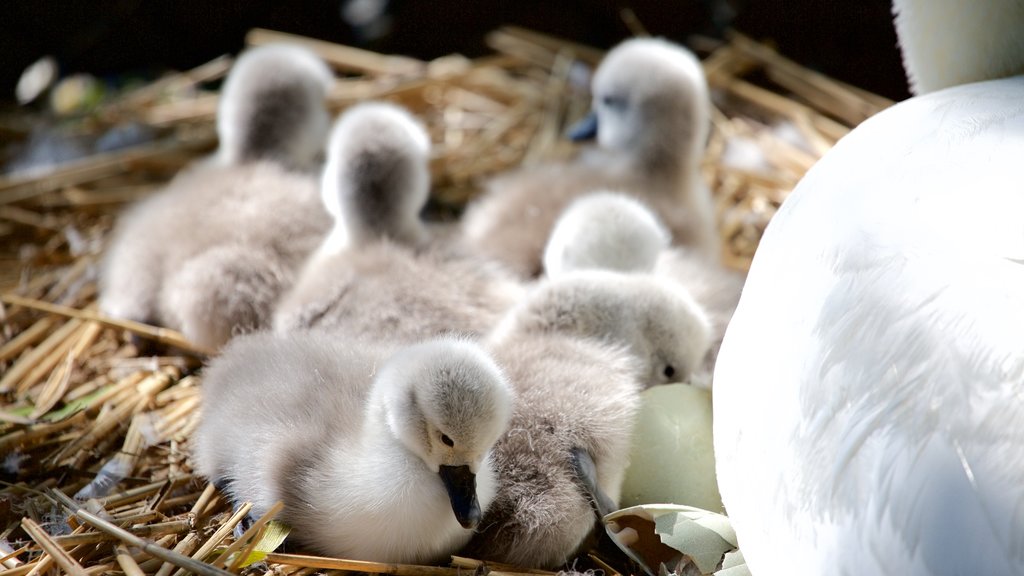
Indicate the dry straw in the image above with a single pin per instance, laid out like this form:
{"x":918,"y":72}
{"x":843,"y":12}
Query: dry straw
{"x":81,"y":412}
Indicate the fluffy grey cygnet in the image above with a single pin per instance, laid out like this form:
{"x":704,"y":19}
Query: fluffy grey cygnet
{"x":651,"y":119}
{"x":377,"y":178}
{"x":714,"y":287}
{"x":564,"y":457}
{"x":612,"y":231}
{"x":211,"y":253}
{"x":272,"y":108}
{"x":578,"y":351}
{"x":605,"y":231}
{"x":381,"y":272}
{"x":658,"y":321}
{"x":378,"y":453}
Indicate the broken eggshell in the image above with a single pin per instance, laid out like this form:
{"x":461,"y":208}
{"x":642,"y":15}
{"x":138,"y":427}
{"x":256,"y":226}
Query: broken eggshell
{"x":672,"y":535}
{"x":734,"y":565}
{"x":673,"y":456}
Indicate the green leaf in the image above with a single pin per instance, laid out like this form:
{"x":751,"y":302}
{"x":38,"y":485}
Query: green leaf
{"x":273,"y":535}
{"x":72,"y":407}
{"x":61,"y":413}
{"x":22,"y":412}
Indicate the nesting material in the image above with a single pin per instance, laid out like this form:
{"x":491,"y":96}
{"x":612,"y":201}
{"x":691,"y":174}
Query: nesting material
{"x":82,"y":411}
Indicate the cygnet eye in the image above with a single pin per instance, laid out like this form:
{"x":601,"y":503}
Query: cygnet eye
{"x":669,"y":371}
{"x":447,"y":440}
{"x":613,"y":101}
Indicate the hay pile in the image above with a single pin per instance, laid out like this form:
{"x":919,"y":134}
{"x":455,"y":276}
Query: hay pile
{"x":82,"y":413}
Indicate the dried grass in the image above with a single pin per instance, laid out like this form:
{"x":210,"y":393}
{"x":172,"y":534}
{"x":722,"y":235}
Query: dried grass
{"x":81,"y":411}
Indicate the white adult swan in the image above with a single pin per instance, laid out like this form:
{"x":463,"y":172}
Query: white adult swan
{"x":869,"y":394}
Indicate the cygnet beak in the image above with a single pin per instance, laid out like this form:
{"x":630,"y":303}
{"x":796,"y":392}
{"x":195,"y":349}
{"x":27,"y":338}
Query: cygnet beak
{"x":585,"y":129}
{"x":461,"y":485}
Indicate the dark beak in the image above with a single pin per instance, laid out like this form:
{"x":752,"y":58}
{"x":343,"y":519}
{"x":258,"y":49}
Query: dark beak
{"x":585,"y":129}
{"x":461,"y":486}
{"x":586,"y":472}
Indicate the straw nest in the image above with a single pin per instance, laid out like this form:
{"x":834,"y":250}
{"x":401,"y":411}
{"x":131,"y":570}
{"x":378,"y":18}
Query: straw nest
{"x":83,"y":414}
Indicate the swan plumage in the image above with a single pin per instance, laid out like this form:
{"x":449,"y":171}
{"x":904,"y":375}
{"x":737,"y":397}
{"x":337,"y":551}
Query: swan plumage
{"x":868,"y":407}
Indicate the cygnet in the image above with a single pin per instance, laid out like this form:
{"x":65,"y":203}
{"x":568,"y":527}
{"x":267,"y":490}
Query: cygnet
{"x":606,"y":230}
{"x":380,"y":273}
{"x":658,"y":321}
{"x":562,"y":462}
{"x":272,"y":108}
{"x":211,"y":253}
{"x":714,"y":287}
{"x":377,"y":454}
{"x":377,"y":178}
{"x":651,"y":119}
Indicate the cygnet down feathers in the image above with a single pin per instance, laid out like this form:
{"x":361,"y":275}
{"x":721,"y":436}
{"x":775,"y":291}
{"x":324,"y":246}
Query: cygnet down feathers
{"x":651,"y":115}
{"x":210,"y":254}
{"x":605,"y":230}
{"x":379,"y":274}
{"x":578,"y":351}
{"x":377,"y":454}
{"x":272,"y":108}
{"x":714,"y":287}
{"x":577,"y":398}
{"x":611,"y":231}
{"x":377,"y":178}
{"x":658,"y":321}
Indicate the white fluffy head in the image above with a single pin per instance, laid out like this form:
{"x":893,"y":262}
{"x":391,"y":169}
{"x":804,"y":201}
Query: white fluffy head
{"x":950,"y":42}
{"x":605,"y":230}
{"x":446,"y":401}
{"x":377,"y":177}
{"x":658,"y":320}
{"x":272,"y":107}
{"x":651,"y":100}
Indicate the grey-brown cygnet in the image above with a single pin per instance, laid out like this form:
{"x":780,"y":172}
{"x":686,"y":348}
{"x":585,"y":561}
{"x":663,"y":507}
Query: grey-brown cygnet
{"x":377,"y":453}
{"x":380,"y":273}
{"x":578,"y":351}
{"x":611,"y":231}
{"x":651,"y":119}
{"x":210,"y":254}
{"x":577,"y":399}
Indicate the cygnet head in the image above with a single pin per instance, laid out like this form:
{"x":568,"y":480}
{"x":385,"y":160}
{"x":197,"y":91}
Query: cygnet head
{"x":659,"y":321}
{"x":377,"y":177}
{"x":447,"y":402}
{"x":650,"y":101}
{"x":606,"y":231}
{"x":272,"y":107}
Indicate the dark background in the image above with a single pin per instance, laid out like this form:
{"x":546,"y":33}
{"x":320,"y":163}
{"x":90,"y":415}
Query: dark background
{"x":851,"y":41}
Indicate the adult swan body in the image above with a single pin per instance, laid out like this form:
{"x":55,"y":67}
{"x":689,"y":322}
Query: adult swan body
{"x":869,"y":394}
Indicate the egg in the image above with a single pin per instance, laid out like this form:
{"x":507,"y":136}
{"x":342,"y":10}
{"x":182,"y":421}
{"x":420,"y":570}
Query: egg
{"x":672,"y":458}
